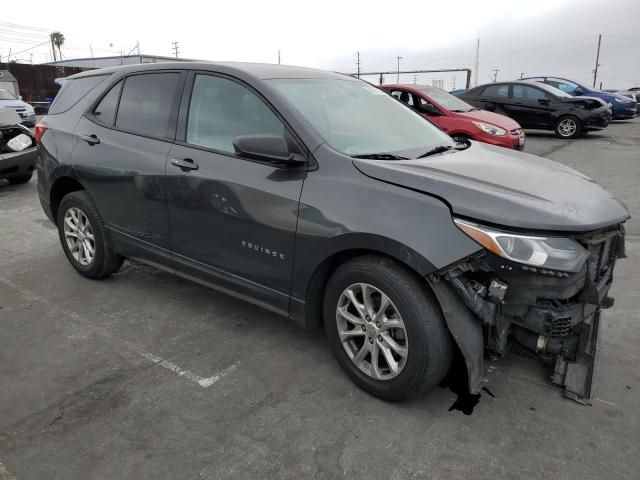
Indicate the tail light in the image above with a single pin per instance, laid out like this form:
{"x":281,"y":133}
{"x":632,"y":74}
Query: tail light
{"x":41,"y":127}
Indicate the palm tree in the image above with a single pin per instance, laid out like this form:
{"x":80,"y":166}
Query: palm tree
{"x":58,"y":40}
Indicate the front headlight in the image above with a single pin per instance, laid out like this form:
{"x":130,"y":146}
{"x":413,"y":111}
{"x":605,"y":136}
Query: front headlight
{"x":557,"y":253}
{"x":490,"y":129}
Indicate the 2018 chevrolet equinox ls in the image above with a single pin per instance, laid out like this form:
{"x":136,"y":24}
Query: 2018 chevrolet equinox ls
{"x":322,"y":198}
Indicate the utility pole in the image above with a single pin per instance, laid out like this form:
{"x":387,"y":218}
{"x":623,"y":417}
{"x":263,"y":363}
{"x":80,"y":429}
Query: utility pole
{"x":454,"y":82}
{"x":358,"y":64}
{"x":495,"y":74}
{"x":415,"y":79}
{"x":521,"y":75}
{"x":477,"y":64}
{"x":53,"y":48}
{"x":398,"y":75}
{"x":595,"y":70}
{"x":91,"y":50}
{"x":175,"y":48}
{"x":278,"y":57}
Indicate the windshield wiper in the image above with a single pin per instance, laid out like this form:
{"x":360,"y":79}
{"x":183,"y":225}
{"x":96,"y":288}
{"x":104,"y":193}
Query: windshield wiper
{"x":438,"y":149}
{"x":380,"y":156}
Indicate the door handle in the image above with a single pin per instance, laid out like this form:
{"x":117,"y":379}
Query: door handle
{"x":185,"y":164}
{"x":91,"y":139}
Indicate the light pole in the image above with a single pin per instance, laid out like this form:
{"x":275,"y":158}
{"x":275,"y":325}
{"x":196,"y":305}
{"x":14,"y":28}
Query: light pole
{"x":398,"y":75}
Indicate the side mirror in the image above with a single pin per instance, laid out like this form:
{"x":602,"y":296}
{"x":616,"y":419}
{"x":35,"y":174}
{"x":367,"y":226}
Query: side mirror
{"x":578,"y":91}
{"x":19,"y":97}
{"x":429,"y":109}
{"x":266,"y":147}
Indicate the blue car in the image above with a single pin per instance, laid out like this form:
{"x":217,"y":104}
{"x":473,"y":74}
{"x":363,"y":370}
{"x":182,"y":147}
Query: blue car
{"x":623,"y":108}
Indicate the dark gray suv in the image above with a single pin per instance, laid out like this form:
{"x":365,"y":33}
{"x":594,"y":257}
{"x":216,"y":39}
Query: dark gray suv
{"x":320,"y":197}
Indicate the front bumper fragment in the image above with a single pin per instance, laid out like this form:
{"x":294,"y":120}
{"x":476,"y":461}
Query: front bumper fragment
{"x":553,"y":315}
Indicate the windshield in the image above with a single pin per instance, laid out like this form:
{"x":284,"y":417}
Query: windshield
{"x":448,"y":101}
{"x":6,"y":95}
{"x":554,"y":91}
{"x":357,"y":118}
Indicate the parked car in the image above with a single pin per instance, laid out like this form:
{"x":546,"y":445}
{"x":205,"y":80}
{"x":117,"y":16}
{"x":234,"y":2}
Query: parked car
{"x":26,"y":111}
{"x":459,"y":119}
{"x":17,"y":148}
{"x":540,"y":106}
{"x":320,"y":197}
{"x":623,"y":108}
{"x":633,"y":95}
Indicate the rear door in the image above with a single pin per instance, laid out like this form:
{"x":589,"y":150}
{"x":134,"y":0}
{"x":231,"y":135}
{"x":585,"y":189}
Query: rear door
{"x":494,"y":98}
{"x":233,"y":220}
{"x":121,"y":152}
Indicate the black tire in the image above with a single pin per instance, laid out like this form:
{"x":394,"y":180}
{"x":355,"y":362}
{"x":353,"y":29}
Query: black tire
{"x":430,"y":348}
{"x":572,"y":121}
{"x":20,"y":179}
{"x":105,"y":260}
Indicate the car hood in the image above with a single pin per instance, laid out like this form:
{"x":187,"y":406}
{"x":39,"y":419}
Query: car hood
{"x":585,"y":99}
{"x":498,"y":186}
{"x":490,"y":117}
{"x":13,"y":104}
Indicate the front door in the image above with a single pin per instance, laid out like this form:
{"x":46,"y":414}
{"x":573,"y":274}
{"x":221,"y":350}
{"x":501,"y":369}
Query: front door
{"x":531,"y":107}
{"x":233,"y":220}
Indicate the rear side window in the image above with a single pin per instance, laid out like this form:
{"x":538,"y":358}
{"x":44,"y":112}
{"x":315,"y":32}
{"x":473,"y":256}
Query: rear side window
{"x":105,"y":111}
{"x":528,"y":93}
{"x":73,"y":90}
{"x":145,"y":103}
{"x":497,"y":91}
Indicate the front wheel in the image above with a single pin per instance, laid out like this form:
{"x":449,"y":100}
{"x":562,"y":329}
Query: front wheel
{"x":568,"y":127}
{"x":85,"y":240}
{"x":385,"y":328}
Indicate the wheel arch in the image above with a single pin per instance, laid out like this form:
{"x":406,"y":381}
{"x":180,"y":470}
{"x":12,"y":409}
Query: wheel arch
{"x":308,"y":311}
{"x":62,"y":186}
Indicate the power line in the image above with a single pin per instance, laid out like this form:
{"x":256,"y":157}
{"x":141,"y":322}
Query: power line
{"x":24,"y":27}
{"x":31,"y":48}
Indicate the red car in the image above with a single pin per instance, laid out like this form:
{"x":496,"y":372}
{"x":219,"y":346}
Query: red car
{"x":458,"y":118}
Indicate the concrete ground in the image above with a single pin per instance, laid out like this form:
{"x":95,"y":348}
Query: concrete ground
{"x":147,"y":376}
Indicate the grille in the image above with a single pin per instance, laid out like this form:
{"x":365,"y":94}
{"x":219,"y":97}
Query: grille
{"x":516,"y":131}
{"x":560,"y":327}
{"x":602,"y":258}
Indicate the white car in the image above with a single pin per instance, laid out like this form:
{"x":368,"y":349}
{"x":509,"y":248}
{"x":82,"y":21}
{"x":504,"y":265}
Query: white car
{"x":26,"y":111}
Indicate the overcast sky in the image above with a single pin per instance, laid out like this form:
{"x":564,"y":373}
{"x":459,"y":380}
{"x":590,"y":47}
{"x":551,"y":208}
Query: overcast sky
{"x":557,"y":37}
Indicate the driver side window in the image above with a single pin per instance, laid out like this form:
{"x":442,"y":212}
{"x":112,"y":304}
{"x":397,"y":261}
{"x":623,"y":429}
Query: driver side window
{"x":222,"y":109}
{"x":404,"y":97}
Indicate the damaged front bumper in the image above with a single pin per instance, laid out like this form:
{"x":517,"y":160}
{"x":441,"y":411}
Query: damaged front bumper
{"x":493,"y":305}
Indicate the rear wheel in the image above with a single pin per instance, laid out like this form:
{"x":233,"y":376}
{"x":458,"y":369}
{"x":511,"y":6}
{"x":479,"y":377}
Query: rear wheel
{"x":85,"y":240}
{"x":20,"y":179}
{"x":568,"y":127}
{"x":386,"y":328}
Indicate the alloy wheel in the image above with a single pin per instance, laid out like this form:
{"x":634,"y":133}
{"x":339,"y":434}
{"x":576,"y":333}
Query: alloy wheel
{"x":567,"y":127}
{"x":371,"y":331}
{"x":79,"y":236}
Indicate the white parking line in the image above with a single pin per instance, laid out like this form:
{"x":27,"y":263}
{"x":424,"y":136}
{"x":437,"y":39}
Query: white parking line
{"x":204,"y":382}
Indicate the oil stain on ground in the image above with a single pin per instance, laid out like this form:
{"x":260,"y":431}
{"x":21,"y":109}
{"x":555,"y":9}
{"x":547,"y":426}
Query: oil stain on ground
{"x":456,"y":381}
